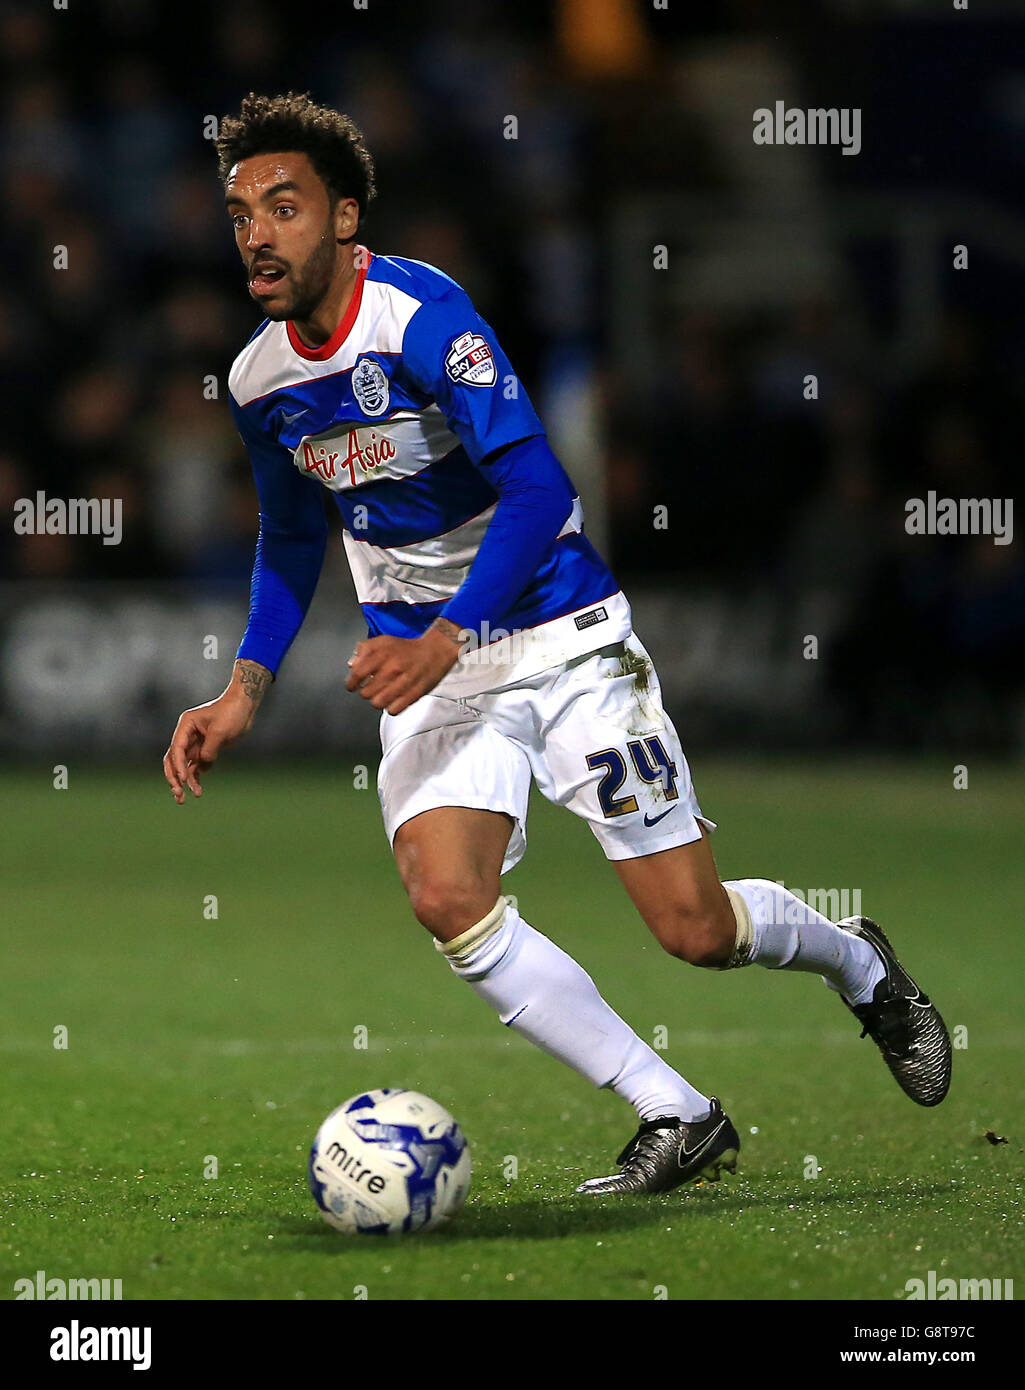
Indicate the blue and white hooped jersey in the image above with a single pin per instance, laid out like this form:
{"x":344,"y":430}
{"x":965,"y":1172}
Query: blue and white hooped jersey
{"x":392,"y":415}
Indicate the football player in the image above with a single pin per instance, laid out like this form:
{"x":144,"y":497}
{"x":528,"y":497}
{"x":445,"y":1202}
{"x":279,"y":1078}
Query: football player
{"x":500,"y":650}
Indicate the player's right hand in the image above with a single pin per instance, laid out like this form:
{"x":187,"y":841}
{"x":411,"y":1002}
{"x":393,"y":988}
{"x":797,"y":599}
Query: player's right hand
{"x":199,"y":736}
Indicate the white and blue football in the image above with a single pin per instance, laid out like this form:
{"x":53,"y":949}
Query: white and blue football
{"x":389,"y":1161}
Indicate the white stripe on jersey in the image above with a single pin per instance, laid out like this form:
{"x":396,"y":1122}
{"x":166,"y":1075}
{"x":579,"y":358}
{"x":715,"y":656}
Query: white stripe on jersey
{"x":268,"y":363}
{"x":420,"y":573}
{"x":428,"y":571}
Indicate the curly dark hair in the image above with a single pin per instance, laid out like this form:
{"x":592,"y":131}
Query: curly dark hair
{"x":333,"y":142}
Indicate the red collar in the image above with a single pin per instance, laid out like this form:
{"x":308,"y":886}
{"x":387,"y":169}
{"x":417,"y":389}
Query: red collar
{"x":344,"y":328}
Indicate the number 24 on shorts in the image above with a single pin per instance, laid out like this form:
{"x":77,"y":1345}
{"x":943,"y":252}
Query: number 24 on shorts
{"x":651,"y":763}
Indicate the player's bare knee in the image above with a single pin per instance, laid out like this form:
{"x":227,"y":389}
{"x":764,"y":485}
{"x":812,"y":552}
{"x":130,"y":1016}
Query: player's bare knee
{"x":709,"y":949}
{"x":448,"y":906}
{"x":703,"y":944}
{"x":702,"y":937}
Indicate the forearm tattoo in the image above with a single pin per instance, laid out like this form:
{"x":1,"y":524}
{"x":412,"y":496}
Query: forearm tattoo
{"x":450,"y":630}
{"x":253,"y":678}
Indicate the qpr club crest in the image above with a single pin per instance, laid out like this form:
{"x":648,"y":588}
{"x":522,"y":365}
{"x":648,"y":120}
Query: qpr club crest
{"x":370,"y":386}
{"x":470,"y":361}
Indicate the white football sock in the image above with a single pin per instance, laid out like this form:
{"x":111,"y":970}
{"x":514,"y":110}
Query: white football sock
{"x":790,"y":935}
{"x":542,"y":993}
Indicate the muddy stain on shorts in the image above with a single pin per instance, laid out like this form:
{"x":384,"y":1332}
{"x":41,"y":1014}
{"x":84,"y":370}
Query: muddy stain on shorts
{"x":649,"y":717}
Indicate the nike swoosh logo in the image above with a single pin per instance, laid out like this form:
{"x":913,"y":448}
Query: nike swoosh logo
{"x":289,"y":418}
{"x":691,"y":1154}
{"x":648,"y":820}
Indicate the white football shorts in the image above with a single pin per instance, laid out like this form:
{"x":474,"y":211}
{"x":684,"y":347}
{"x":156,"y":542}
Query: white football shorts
{"x":592,"y":733}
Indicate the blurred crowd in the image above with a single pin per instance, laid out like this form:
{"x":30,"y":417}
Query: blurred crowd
{"x":115,"y":367}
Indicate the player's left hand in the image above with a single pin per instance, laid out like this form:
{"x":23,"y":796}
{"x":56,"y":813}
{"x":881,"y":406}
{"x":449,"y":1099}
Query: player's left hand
{"x":392,"y":672}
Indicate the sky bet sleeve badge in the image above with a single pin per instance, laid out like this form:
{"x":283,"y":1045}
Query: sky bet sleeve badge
{"x":470,"y":361}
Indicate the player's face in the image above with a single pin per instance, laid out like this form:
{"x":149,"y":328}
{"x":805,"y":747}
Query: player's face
{"x":285,"y":231}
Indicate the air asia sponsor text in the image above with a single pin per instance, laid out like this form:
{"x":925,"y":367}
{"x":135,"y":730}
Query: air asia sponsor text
{"x":317,"y":458}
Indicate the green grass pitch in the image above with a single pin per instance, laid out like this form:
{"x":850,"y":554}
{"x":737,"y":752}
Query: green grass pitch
{"x":190,"y":1038}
